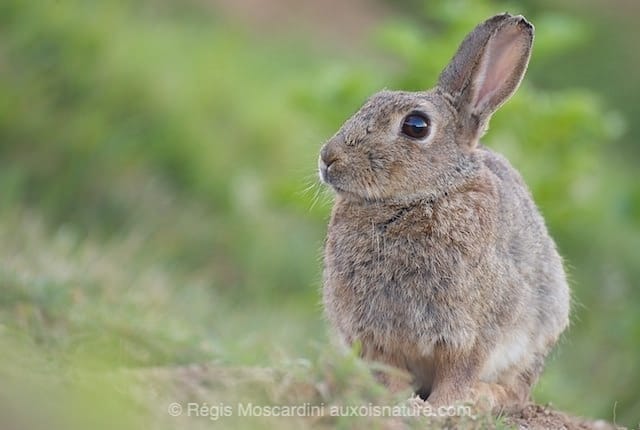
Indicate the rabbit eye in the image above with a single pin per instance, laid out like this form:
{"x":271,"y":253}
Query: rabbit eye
{"x":415,"y":125}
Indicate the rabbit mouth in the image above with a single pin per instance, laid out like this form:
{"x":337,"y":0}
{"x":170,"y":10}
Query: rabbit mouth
{"x":343,"y":183}
{"x":324,"y":172}
{"x":326,"y":178}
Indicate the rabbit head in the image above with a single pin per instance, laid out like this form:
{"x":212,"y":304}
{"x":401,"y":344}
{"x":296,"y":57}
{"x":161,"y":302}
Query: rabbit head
{"x":402,"y":146}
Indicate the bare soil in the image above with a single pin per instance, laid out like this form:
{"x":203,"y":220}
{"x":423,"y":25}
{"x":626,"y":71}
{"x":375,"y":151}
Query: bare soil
{"x":538,"y":417}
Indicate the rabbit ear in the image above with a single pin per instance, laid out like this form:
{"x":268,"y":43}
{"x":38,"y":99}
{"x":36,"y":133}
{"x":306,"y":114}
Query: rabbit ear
{"x":487,"y":69}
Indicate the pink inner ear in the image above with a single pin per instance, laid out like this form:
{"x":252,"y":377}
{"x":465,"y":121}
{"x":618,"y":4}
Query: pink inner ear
{"x":502,"y":56}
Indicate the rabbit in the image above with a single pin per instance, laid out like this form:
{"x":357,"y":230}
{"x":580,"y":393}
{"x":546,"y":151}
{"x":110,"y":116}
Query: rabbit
{"x":437,"y":260}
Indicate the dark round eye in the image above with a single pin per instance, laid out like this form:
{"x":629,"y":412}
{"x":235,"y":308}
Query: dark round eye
{"x":415,"y":125}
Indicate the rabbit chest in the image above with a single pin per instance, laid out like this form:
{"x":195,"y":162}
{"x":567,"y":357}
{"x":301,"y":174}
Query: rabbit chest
{"x":397,"y":277}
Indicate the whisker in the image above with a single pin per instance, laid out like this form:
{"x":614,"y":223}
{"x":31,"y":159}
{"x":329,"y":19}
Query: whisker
{"x":316,"y":197}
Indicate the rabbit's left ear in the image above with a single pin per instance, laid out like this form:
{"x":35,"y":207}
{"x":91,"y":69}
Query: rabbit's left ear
{"x":487,"y":69}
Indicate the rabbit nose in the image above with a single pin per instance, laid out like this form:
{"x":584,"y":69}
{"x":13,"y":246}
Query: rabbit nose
{"x":322,"y":170}
{"x":327,"y":158}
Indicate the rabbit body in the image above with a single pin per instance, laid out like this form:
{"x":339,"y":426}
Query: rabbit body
{"x":437,"y":260}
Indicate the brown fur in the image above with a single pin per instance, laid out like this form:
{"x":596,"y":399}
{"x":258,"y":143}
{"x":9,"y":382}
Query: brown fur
{"x":436,"y":259}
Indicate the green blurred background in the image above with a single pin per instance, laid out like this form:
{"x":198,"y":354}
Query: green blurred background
{"x":158,"y":196}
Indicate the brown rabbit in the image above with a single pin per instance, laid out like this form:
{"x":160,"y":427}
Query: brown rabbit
{"x":437,"y":260}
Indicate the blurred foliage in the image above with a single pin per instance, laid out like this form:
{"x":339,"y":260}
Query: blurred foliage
{"x":158,"y":200}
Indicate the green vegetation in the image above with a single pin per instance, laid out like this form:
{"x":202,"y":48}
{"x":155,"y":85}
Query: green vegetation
{"x":159,"y":208}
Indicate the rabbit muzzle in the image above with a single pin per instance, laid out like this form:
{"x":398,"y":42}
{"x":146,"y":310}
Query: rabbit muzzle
{"x":328,"y":156}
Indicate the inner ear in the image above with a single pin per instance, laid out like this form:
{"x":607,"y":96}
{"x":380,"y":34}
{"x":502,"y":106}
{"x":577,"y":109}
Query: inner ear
{"x":501,"y":69}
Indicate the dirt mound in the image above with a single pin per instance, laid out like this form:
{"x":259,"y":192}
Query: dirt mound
{"x":538,"y":417}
